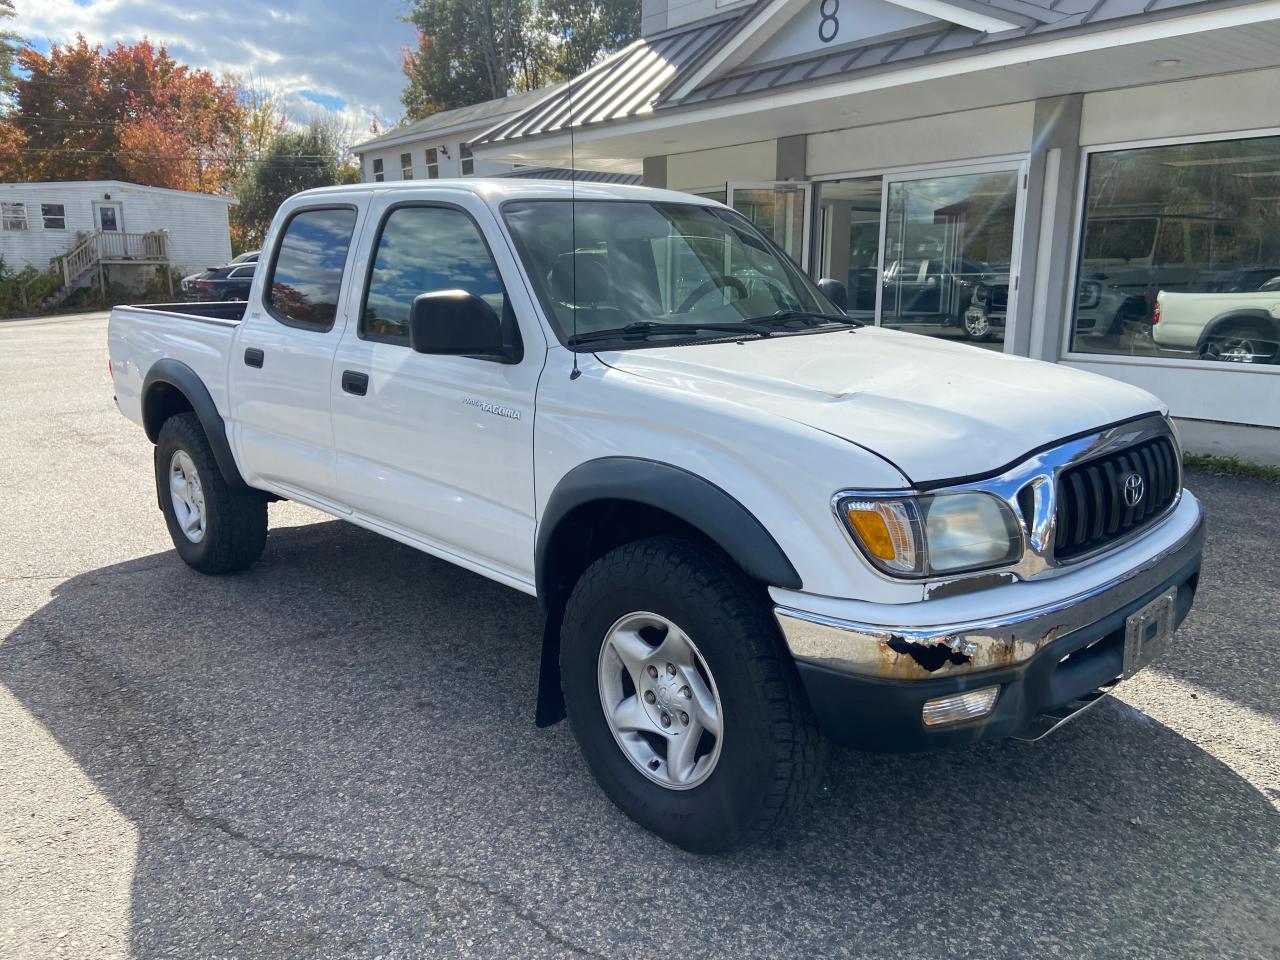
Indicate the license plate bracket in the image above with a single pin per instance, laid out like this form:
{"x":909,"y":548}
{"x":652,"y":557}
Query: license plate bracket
{"x":1147,"y":632}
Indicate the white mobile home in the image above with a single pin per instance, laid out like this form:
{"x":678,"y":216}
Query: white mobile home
{"x":128,"y":227}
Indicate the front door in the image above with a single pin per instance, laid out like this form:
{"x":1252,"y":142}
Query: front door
{"x":949,"y":245}
{"x":108,"y":215}
{"x":439,"y":449}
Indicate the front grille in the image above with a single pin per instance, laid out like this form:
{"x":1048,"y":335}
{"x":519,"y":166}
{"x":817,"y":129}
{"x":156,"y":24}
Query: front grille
{"x":1091,"y":508}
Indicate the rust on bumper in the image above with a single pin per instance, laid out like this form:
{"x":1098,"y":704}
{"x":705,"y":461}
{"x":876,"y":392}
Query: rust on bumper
{"x":900,"y":652}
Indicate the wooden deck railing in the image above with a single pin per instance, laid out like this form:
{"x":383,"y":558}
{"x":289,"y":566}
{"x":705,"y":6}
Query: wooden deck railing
{"x":117,"y":245}
{"x":113,"y":247}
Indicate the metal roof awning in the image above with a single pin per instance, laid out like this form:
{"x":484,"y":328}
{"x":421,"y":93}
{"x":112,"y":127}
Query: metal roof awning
{"x":669,"y":79}
{"x":625,"y":85}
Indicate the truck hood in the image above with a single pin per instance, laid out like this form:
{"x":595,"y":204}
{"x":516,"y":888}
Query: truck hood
{"x":935,"y":409}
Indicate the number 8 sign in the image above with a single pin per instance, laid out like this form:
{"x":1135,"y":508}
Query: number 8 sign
{"x":829,"y":25}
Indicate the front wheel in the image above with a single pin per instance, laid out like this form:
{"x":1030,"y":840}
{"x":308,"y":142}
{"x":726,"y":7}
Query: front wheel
{"x":689,"y":714}
{"x":977,"y":326}
{"x":214,"y":527}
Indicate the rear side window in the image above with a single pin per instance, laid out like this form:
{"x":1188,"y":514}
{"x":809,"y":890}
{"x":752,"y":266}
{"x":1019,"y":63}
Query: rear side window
{"x":424,"y":250}
{"x":307,"y":273}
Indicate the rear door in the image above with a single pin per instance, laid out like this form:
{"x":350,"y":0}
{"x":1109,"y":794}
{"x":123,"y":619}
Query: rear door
{"x":283,"y":354}
{"x":439,"y":449}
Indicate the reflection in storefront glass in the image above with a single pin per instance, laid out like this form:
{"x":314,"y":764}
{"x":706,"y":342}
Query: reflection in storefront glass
{"x":1180,"y":253}
{"x":948,"y":249}
{"x":777,"y":212}
{"x":851,"y":240}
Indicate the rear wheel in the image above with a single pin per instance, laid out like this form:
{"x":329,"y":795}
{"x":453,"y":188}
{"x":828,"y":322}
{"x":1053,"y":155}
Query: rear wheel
{"x":1240,"y":342}
{"x":214,"y":527}
{"x":689,"y":714}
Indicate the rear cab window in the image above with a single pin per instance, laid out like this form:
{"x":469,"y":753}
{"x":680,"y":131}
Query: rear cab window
{"x":305,"y":280}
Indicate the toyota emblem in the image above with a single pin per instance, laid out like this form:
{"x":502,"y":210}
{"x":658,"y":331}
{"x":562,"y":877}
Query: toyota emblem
{"x":1134,"y":489}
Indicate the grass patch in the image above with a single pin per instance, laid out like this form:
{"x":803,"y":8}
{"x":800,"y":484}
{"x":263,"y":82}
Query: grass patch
{"x":1231,"y":466}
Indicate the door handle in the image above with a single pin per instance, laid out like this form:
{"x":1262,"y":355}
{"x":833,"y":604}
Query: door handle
{"x":354,"y":382}
{"x":253,"y":357}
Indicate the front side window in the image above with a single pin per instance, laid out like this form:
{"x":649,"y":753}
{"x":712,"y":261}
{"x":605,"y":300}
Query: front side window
{"x":1178,"y":246}
{"x":14,"y":215}
{"x":468,"y":162}
{"x":406,"y":166}
{"x":679,"y":265}
{"x":54,"y":216}
{"x":425,"y":250}
{"x":378,"y":174}
{"x":307,"y":274}
{"x":433,"y":163}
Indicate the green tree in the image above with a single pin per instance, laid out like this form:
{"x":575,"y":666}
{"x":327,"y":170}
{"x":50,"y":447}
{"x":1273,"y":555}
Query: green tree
{"x":470,"y":51}
{"x":581,"y":33}
{"x":294,"y":161}
{"x":10,"y":44}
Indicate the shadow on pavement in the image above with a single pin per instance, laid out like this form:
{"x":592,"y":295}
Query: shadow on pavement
{"x":334,"y":754}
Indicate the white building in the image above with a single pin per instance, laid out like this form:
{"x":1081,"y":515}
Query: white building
{"x":439,"y":146}
{"x":129,"y":227}
{"x":1029,"y":173}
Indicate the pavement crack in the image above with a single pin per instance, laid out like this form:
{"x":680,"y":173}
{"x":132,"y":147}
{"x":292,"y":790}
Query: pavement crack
{"x":110,"y":691}
{"x":223,"y":826}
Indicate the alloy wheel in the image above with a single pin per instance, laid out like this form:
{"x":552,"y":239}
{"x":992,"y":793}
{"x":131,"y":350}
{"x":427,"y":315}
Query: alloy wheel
{"x":660,"y":700}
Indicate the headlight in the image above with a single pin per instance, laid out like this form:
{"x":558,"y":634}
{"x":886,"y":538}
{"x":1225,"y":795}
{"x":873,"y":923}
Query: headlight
{"x":980,"y":293}
{"x":916,"y":537}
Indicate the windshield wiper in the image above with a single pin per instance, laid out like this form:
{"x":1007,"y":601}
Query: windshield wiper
{"x":643,"y":329}
{"x":783,"y":316}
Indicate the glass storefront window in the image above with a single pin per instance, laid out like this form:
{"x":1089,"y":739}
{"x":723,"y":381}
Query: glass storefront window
{"x":851,"y":240}
{"x":948,"y":251}
{"x":1180,"y":253}
{"x":777,"y":210}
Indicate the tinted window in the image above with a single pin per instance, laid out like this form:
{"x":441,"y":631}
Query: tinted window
{"x":1192,"y":227}
{"x":55,"y":216}
{"x":422,"y":250}
{"x":308,"y":269}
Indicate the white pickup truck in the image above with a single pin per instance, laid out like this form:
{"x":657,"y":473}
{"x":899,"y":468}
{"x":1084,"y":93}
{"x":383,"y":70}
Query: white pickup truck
{"x":1234,"y":326}
{"x":750,"y":520}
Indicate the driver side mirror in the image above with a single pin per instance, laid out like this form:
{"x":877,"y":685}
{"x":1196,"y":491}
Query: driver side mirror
{"x":458,"y":323}
{"x":835,"y":291}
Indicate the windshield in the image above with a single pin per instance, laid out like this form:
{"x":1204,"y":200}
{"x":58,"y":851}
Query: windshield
{"x":680,"y":266}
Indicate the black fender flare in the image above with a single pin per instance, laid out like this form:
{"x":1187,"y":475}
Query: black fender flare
{"x":1249,"y":314}
{"x":683,"y":494}
{"x":674,"y":490}
{"x":186,"y":381}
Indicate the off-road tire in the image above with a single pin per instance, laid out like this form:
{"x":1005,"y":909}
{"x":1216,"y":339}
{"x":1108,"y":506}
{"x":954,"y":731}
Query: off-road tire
{"x":772,"y":751}
{"x":235,"y":519}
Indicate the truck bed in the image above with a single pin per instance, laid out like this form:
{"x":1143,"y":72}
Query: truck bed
{"x":198,"y":335}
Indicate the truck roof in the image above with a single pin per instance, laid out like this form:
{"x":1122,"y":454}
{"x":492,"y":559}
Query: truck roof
{"x":497,"y":189}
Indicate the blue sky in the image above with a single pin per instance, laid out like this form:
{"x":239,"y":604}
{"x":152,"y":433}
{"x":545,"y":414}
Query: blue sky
{"x":335,"y":57}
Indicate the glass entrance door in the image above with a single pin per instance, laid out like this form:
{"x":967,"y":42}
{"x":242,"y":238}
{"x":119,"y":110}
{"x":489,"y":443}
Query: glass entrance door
{"x":780,"y":209}
{"x":932,"y":255}
{"x":947,"y":254}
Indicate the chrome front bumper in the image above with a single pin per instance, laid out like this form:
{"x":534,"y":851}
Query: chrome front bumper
{"x":900,"y":652}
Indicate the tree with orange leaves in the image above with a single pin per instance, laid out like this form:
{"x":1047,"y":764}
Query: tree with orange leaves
{"x":130,"y":112}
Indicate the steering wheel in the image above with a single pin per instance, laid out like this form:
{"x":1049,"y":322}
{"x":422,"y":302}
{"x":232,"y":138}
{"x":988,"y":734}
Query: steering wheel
{"x":708,"y":286}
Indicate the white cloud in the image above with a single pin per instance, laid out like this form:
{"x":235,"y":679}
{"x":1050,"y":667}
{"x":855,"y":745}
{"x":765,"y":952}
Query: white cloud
{"x":313,"y":54}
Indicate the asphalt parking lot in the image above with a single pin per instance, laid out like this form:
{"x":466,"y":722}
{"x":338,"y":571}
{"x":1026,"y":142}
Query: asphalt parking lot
{"x":333,"y":755}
